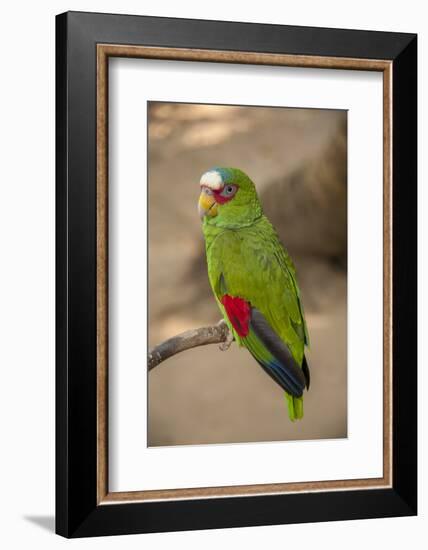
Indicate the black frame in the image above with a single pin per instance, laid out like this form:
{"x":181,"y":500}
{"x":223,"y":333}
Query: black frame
{"x":77,"y":513}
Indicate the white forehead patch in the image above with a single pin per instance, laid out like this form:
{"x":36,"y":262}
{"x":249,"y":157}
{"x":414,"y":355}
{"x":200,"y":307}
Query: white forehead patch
{"x":212,"y":179}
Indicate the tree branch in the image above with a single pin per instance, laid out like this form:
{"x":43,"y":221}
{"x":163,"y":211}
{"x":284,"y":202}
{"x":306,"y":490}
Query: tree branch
{"x":216,"y":334}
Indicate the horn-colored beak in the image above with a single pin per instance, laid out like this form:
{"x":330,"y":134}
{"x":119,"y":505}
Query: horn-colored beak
{"x":207,"y":205}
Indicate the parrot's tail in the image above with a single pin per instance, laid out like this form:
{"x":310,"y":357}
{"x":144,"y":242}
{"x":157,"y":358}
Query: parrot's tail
{"x":295,"y":407}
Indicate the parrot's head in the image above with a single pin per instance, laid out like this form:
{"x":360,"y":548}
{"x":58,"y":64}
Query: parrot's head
{"x":228,"y":198}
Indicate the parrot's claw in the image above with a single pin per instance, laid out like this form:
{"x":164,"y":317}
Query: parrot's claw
{"x":224,"y":346}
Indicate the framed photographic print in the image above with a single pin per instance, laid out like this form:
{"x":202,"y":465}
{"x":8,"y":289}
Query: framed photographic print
{"x":236,"y":274}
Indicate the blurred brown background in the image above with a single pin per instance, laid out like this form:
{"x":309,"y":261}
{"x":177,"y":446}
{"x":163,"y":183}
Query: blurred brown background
{"x":297,"y":159}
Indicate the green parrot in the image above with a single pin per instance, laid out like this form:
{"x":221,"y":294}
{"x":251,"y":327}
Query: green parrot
{"x":254,"y":281}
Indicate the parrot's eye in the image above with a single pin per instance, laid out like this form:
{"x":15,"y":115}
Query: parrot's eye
{"x":229,"y":190}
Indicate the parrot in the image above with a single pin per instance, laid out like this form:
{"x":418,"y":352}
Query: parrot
{"x":254,"y":282}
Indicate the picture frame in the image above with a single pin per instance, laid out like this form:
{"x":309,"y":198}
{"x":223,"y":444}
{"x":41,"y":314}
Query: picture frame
{"x":84,"y":44}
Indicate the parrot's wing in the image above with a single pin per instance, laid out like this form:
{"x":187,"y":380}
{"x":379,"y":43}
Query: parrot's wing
{"x":272,"y":353}
{"x":259,"y":297}
{"x":252,"y":264}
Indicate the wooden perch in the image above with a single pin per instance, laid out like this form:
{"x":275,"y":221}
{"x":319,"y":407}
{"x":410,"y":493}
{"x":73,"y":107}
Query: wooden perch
{"x":216,"y":334}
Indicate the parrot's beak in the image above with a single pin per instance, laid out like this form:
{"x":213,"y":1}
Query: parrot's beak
{"x":207,"y":205}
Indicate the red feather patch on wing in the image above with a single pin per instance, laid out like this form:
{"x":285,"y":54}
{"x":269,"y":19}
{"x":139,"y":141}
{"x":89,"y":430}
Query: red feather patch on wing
{"x":238,"y":311}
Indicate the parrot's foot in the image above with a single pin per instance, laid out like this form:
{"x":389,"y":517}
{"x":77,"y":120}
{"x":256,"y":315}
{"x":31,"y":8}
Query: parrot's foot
{"x":224,"y":346}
